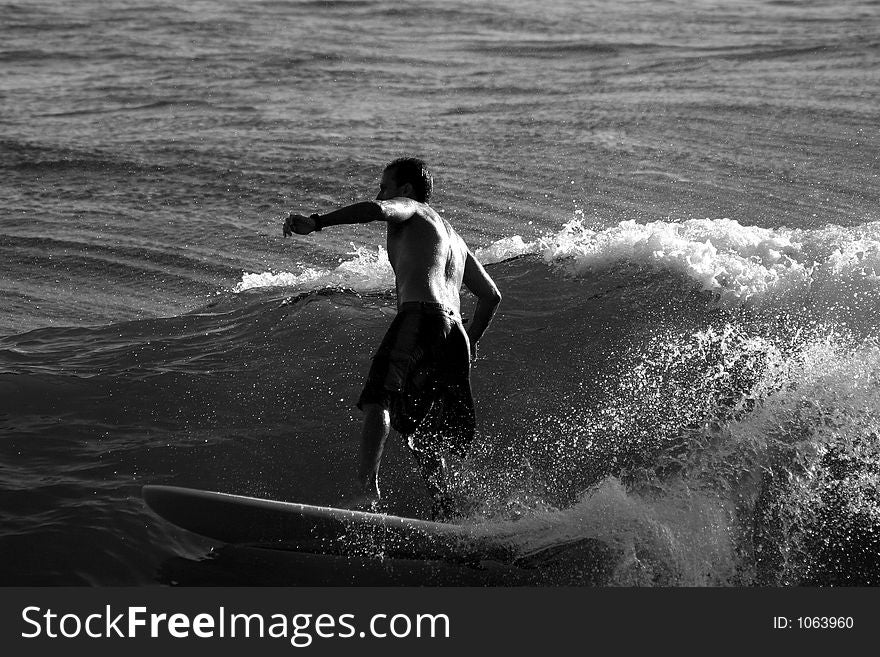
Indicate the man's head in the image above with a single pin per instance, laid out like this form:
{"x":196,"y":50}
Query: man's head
{"x":409,"y":177}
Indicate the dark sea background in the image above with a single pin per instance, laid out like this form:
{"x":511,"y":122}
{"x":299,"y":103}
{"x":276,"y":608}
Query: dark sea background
{"x":678,"y":200}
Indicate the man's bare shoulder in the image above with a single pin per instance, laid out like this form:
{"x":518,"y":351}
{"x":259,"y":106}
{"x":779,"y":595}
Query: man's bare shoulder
{"x":427,"y":218}
{"x":454,"y":237}
{"x":425,"y":211}
{"x":423,"y":214}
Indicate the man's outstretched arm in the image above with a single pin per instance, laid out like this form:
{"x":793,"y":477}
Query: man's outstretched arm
{"x":395,"y":210}
{"x":488,"y":297}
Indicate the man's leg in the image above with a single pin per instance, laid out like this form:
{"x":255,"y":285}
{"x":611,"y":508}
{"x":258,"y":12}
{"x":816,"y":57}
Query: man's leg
{"x":434,"y":471}
{"x":377,"y":425}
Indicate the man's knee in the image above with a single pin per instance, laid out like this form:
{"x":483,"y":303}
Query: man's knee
{"x":376,"y":413}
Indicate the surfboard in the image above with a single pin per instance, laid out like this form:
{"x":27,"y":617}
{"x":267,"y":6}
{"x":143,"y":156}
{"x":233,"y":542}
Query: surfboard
{"x":241,"y":520}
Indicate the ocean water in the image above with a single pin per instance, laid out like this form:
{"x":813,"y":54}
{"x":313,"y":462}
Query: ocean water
{"x":678,"y":200}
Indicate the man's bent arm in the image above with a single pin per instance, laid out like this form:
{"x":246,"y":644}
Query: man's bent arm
{"x":488,"y":297}
{"x":358,"y":213}
{"x":395,"y":210}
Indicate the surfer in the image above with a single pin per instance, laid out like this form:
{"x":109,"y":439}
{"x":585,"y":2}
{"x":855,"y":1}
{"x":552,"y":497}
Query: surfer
{"x":419,"y":381}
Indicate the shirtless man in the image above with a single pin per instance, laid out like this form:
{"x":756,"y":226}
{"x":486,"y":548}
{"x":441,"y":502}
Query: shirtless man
{"x":419,"y":382}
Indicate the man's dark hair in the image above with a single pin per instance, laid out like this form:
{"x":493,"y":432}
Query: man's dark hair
{"x":414,"y":171}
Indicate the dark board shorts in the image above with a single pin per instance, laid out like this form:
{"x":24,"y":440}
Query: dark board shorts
{"x":421,"y":374}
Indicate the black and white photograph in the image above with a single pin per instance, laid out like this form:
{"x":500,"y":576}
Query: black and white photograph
{"x":447,"y":294}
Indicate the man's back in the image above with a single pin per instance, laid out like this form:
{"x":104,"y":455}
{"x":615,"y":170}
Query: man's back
{"x":428,"y":258}
{"x":424,"y":359}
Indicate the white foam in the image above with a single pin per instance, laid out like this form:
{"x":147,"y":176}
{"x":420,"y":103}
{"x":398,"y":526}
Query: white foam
{"x":509,"y":247}
{"x":368,"y":270}
{"x":681,"y":538}
{"x":736,"y":263}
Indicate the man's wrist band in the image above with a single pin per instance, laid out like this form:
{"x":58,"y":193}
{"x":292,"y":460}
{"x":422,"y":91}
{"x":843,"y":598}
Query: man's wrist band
{"x":317,"y":219}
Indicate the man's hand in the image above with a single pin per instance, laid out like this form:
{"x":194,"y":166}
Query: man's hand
{"x":299,"y":224}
